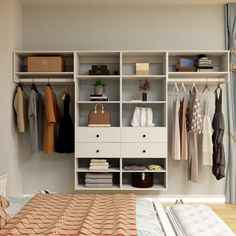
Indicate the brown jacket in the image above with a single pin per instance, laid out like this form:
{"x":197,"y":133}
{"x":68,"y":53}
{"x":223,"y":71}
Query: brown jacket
{"x":52,"y":116}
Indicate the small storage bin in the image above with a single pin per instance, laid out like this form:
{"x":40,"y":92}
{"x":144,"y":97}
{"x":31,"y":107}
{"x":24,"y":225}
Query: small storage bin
{"x":142,"y":180}
{"x":45,"y":64}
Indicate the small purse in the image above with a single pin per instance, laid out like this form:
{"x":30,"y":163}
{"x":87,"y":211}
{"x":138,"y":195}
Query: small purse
{"x":99,"y":117}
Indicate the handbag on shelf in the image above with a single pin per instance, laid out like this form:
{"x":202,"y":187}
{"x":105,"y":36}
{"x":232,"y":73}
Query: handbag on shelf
{"x":99,"y":117}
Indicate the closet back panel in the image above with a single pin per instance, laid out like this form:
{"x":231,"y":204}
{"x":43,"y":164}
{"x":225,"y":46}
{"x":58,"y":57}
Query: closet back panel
{"x":112,"y":89}
{"x":131,"y":89}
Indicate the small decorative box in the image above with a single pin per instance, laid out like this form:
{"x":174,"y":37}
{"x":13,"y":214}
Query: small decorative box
{"x":142,"y":68}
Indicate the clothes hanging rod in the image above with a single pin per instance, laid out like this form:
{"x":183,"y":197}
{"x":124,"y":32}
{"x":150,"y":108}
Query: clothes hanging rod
{"x":45,"y":80}
{"x":197,"y":80}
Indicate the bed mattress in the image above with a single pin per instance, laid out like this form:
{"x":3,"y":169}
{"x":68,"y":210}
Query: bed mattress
{"x":196,"y":220}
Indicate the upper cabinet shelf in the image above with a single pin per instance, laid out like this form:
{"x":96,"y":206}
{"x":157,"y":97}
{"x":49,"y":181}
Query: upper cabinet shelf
{"x":213,"y":65}
{"x":86,"y":60}
{"x":155,"y":59}
{"x":23,"y":69}
{"x":205,"y":75}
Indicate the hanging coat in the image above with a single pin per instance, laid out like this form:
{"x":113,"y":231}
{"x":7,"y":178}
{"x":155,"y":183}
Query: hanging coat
{"x":65,"y":139}
{"x":218,"y":168}
{"x":52,"y":116}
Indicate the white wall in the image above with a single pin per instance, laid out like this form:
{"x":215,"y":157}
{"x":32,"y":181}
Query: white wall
{"x":156,"y":27}
{"x":11,"y":39}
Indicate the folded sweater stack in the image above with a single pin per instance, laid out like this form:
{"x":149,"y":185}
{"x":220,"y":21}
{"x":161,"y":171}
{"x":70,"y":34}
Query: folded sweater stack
{"x":98,"y":164}
{"x":98,"y":180}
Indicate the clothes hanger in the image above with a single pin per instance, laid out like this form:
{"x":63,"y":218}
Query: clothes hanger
{"x":206,"y":87}
{"x":175,"y":88}
{"x":33,"y":87}
{"x":19,"y":85}
{"x":65,"y":93}
{"x":49,"y":85}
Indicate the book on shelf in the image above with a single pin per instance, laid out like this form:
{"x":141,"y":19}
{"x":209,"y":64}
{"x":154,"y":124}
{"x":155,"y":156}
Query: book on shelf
{"x":98,"y":97}
{"x":204,"y":69}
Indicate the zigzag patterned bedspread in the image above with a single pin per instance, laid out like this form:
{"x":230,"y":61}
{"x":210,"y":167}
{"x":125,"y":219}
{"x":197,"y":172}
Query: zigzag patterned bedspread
{"x":93,"y":215}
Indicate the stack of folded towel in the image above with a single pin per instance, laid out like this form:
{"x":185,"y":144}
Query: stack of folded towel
{"x":204,"y":64}
{"x":98,"y":180}
{"x":98,"y":164}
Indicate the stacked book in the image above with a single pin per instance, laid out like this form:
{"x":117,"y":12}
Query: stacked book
{"x":98,"y":164}
{"x":204,"y":64}
{"x":98,"y":180}
{"x":98,"y":97}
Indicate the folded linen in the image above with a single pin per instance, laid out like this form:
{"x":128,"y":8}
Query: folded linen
{"x":98,"y":181}
{"x":98,"y":175}
{"x":98,"y":168}
{"x":134,"y":167}
{"x":99,"y":164}
{"x":98,"y":161}
{"x":98,"y":185}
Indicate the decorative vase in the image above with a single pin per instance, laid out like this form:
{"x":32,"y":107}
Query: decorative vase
{"x":99,"y":90}
{"x":144,"y":96}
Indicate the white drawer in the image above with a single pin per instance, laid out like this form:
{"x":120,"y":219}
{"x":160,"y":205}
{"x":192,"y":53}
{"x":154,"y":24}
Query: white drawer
{"x":144,"y":150}
{"x":149,"y":135}
{"x":92,"y":134}
{"x":97,"y":149}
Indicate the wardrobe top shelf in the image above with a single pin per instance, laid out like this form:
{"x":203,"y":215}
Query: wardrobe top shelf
{"x":214,"y":74}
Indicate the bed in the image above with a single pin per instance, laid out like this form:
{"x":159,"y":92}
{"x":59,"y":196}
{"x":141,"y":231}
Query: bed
{"x":55,"y":214}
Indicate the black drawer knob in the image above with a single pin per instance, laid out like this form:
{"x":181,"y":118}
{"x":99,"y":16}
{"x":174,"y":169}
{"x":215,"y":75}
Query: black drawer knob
{"x":97,"y":135}
{"x":144,"y":135}
{"x":97,"y":151}
{"x":144,"y":151}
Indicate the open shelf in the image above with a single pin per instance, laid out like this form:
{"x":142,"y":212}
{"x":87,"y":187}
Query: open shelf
{"x":82,"y":187}
{"x":205,"y":75}
{"x":155,"y":187}
{"x":98,"y":171}
{"x":98,"y":76}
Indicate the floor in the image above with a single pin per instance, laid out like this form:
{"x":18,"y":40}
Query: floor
{"x":226,"y":212}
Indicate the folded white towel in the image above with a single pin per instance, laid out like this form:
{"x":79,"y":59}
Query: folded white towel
{"x":98,"y":181}
{"x":98,"y":168}
{"x":98,"y":175}
{"x":98,"y":185}
{"x":99,"y":164}
{"x":98,"y":161}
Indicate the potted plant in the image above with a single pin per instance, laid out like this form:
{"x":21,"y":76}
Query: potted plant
{"x":99,"y":86}
{"x":144,"y":87}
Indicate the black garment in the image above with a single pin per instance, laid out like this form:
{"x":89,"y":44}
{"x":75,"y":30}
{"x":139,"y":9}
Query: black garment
{"x":65,"y":140}
{"x":218,"y":126}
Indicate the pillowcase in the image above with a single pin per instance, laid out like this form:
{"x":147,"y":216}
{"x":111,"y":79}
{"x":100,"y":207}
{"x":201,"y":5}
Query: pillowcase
{"x":4,"y":218}
{"x":3,"y":202}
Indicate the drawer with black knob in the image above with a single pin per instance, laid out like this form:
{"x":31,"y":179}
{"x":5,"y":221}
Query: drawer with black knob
{"x":144,"y":134}
{"x":97,"y":134}
{"x":97,"y":150}
{"x":149,"y":150}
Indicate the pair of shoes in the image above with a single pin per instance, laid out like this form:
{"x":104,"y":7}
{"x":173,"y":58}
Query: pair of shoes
{"x":44,"y":191}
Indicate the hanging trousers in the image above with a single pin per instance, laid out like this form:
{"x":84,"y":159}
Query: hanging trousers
{"x":193,"y":156}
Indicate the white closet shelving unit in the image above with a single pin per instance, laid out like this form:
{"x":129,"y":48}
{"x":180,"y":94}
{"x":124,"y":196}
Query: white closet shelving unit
{"x":122,"y":144}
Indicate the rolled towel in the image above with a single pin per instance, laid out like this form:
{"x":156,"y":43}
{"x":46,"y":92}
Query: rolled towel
{"x":98,"y":181}
{"x":98,"y":185}
{"x":98,"y":175}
